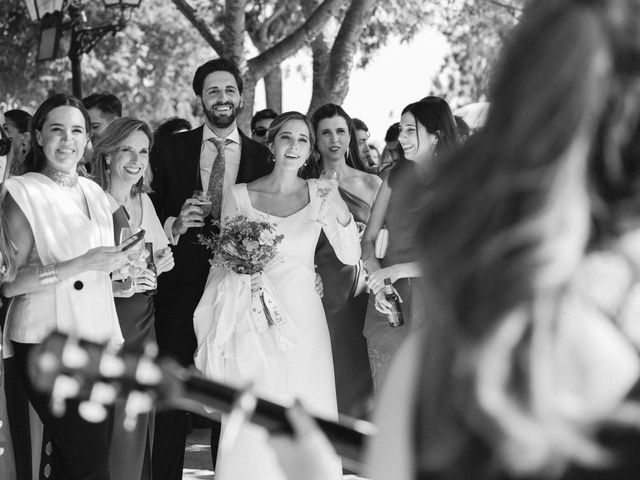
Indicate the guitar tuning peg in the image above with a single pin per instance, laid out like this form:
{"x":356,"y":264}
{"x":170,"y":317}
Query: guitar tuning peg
{"x":64,"y":387}
{"x":147,"y":372}
{"x":151,"y":350}
{"x":103,"y":393}
{"x":137,"y":403}
{"x":111,"y":365}
{"x":92,"y":412}
{"x":73,"y":355}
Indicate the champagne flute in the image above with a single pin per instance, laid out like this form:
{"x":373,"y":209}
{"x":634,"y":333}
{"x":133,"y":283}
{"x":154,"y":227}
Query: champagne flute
{"x":204,"y":201}
{"x":134,"y":254}
{"x":325,"y":175}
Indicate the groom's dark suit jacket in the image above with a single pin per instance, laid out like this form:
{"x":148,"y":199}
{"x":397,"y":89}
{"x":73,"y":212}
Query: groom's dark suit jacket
{"x":175,"y":163}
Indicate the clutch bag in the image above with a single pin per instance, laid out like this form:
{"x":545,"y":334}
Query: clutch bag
{"x":382,"y":243}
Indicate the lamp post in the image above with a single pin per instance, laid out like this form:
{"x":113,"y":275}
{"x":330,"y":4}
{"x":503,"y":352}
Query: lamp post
{"x":51,"y":15}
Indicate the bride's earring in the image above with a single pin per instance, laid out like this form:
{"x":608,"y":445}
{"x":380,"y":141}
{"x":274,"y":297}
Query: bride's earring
{"x":107,"y":162}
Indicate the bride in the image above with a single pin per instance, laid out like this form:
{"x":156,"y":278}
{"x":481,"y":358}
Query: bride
{"x":235,"y":348}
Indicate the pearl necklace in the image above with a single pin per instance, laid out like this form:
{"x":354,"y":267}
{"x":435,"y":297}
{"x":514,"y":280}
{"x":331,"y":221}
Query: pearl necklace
{"x":62,"y":179}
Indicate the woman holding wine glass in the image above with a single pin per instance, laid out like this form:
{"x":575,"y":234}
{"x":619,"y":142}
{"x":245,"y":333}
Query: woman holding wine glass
{"x":62,"y":227}
{"x":427,"y":130}
{"x":121,"y":167}
{"x":345,"y":299}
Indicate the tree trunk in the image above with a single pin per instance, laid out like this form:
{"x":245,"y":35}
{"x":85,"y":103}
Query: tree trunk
{"x":273,"y":89}
{"x":335,"y":67}
{"x":320,"y":53}
{"x":248,"y":96}
{"x":233,"y":34}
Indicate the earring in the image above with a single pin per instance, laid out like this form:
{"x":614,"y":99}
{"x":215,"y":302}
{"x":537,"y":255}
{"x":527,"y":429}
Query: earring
{"x":107,"y":163}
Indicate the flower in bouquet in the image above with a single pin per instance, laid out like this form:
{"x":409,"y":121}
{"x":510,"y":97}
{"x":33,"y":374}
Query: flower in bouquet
{"x":242,"y":245}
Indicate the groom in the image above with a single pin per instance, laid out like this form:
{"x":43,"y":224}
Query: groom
{"x":212,"y":158}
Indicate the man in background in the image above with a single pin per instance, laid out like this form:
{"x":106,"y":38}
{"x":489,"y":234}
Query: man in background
{"x":103,"y":109}
{"x":260,"y":124}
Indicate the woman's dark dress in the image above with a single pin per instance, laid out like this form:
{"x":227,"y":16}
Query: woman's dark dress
{"x":345,"y":318}
{"x":407,"y":200}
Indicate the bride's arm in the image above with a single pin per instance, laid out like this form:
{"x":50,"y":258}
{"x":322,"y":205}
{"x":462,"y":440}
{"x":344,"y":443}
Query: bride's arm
{"x":340,"y":227}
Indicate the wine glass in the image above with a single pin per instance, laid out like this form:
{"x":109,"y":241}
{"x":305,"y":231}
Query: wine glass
{"x":204,"y":201}
{"x":325,"y":175}
{"x":134,"y":254}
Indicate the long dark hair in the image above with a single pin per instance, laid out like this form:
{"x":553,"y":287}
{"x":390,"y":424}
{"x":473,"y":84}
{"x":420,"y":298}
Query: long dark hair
{"x":511,"y":220}
{"x":435,"y":115}
{"x":331,"y":110}
{"x":40,"y":117}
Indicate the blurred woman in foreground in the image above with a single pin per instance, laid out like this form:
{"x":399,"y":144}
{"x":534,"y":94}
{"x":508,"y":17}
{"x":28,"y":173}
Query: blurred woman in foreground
{"x":530,"y":254}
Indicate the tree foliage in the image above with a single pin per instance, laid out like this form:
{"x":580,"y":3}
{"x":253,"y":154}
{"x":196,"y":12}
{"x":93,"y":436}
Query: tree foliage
{"x":476,"y":30}
{"x":151,"y":63}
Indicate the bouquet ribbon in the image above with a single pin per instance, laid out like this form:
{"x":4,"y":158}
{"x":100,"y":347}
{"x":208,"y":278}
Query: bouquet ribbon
{"x":232,"y":323}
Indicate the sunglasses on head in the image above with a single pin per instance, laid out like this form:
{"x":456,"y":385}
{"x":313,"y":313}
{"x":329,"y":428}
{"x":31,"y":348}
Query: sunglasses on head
{"x":260,"y":132}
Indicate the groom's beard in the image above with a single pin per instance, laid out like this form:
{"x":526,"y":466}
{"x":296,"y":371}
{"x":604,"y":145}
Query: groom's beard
{"x":221,"y":121}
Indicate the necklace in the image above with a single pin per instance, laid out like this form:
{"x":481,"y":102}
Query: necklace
{"x":62,"y":179}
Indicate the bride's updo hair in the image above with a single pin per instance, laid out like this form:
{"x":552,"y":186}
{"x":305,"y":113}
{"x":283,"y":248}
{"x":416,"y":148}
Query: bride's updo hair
{"x":279,"y":122}
{"x":283,"y":118}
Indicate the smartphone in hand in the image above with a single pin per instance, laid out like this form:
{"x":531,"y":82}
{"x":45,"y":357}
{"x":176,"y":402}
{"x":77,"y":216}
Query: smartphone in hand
{"x":132,"y":240}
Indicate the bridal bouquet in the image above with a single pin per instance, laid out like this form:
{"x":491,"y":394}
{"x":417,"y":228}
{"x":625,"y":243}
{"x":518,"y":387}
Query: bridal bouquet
{"x":246,"y":247}
{"x":237,"y":316}
{"x":242,"y":245}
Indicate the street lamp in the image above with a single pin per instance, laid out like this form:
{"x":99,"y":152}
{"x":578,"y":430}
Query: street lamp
{"x":51,"y":15}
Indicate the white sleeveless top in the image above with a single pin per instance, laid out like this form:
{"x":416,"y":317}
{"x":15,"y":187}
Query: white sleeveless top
{"x":84,"y":303}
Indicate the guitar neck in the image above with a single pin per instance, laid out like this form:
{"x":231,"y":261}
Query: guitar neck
{"x":347,"y":435}
{"x":85,"y":364}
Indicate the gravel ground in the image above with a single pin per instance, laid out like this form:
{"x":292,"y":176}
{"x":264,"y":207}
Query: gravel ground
{"x":197,"y":457}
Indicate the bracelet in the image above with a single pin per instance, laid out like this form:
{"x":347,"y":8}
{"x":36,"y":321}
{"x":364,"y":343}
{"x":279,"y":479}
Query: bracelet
{"x":48,"y":274}
{"x":364,"y":264}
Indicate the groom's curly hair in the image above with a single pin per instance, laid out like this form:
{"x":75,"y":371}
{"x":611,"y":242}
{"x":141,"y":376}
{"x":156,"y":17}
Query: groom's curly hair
{"x":216,"y":65}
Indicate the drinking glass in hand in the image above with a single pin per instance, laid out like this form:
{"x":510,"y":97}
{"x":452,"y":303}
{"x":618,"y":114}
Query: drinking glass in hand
{"x":134,"y":254}
{"x":325,"y":175}
{"x":203,"y":200}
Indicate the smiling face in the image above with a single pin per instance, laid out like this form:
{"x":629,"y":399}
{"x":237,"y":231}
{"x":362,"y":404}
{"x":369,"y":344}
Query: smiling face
{"x":333,"y":138}
{"x":417,"y":143}
{"x":130,"y":161}
{"x":63,"y":138}
{"x":221,"y":99}
{"x":291,"y":145}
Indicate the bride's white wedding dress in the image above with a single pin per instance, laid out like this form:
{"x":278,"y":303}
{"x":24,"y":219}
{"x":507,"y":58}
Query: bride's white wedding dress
{"x":291,"y":360}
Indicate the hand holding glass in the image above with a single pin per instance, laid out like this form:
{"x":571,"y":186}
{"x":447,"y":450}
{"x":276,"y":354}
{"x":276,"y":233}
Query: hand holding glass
{"x":134,"y":254}
{"x":325,"y":175}
{"x":203,"y":200}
